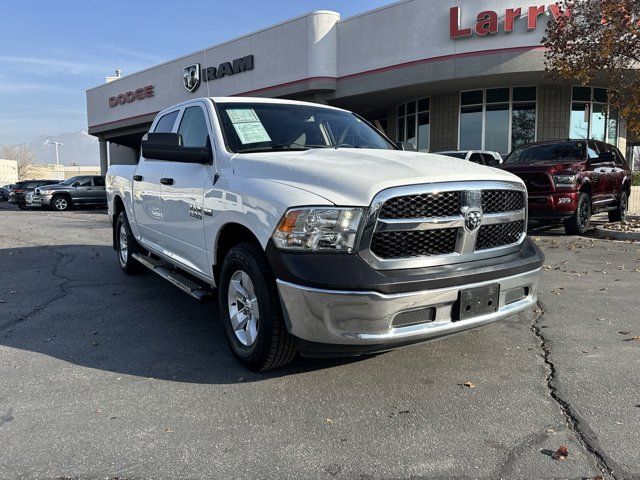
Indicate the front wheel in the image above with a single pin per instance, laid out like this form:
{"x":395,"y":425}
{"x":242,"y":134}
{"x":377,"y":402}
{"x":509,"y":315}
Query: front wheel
{"x":620,"y":213}
{"x":250,"y":310}
{"x":60,"y":203}
{"x":126,"y":246}
{"x":578,"y":224}
{"x":22,"y":206}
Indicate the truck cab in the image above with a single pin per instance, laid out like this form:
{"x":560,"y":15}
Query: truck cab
{"x":570,"y":180}
{"x":315,"y":233}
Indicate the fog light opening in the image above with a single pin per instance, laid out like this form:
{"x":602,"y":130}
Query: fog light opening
{"x":515,"y":295}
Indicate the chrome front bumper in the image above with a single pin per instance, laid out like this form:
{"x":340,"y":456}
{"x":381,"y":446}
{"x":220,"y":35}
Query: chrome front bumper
{"x":365,"y":318}
{"x":40,"y":200}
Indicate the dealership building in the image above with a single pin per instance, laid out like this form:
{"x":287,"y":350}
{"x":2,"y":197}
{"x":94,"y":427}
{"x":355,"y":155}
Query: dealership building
{"x":465,"y":74}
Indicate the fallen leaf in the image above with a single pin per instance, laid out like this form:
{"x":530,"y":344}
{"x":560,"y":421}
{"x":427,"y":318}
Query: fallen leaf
{"x":624,"y":333}
{"x":469,"y":384}
{"x":561,"y":453}
{"x":328,"y":420}
{"x":633,"y":339}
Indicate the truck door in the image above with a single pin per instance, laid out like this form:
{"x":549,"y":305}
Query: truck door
{"x":146,"y":188}
{"x":607,"y":170}
{"x":183,"y":194}
{"x":82,"y":190}
{"x":596,"y":173}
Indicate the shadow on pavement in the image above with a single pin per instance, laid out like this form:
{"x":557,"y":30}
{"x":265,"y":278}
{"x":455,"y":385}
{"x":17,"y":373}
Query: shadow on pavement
{"x":74,"y":303}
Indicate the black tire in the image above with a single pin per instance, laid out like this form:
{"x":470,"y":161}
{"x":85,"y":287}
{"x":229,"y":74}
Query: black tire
{"x":620,"y":213}
{"x":125,"y":258}
{"x":60,"y":203}
{"x":579,"y":223}
{"x":22,"y":206}
{"x":273,"y":347}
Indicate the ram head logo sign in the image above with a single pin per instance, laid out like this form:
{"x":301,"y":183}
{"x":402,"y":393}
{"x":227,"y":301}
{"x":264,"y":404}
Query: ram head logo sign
{"x":191,"y":75}
{"x":472,"y":219}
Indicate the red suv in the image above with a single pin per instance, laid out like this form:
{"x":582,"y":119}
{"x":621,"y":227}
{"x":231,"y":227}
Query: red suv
{"x":570,"y":180}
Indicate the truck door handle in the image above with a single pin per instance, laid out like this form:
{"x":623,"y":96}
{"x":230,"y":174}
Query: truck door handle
{"x":137,"y":178}
{"x":166,"y":181}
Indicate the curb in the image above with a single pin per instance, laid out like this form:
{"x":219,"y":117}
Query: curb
{"x":602,"y":232}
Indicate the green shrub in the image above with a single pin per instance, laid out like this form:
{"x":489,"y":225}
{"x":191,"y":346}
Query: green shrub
{"x":636,"y":179}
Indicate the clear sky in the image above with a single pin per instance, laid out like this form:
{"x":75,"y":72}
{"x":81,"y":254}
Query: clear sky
{"x":51,"y":52}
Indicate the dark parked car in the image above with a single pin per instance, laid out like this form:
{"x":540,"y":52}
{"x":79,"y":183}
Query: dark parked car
{"x":21,"y":189}
{"x":75,"y":191}
{"x":4,"y":192}
{"x":569,"y":180}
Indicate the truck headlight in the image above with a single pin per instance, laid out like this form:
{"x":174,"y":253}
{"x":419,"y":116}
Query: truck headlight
{"x":319,"y":229}
{"x":564,"y":180}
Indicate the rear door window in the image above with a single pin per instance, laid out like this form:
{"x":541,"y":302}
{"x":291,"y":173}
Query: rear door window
{"x":98,"y":181}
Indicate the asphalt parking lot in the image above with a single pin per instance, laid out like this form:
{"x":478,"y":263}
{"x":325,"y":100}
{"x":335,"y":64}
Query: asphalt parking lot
{"x":108,"y":376}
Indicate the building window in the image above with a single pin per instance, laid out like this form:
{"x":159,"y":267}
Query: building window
{"x":591,"y":116}
{"x":497,"y":119}
{"x":413,"y":123}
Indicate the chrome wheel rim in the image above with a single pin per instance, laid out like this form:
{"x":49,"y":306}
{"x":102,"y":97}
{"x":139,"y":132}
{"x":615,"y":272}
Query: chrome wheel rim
{"x":60,"y":204}
{"x":243,"y":308}
{"x":123,"y":245}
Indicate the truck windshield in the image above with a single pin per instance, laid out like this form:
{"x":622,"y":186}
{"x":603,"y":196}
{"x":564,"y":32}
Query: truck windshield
{"x":264,"y":127}
{"x":561,"y":152}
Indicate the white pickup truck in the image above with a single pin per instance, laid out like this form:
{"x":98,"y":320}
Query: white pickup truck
{"x":317,"y":234}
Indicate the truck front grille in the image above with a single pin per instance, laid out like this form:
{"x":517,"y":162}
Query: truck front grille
{"x":497,"y":201}
{"x":499,"y":235}
{"x":439,"y":224}
{"x":426,"y":205}
{"x":414,"y":244}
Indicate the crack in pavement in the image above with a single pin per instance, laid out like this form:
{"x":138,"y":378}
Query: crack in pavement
{"x":577,"y":424}
{"x":61,"y":286}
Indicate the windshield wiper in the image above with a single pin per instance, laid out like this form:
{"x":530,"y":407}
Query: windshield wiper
{"x":293,"y":147}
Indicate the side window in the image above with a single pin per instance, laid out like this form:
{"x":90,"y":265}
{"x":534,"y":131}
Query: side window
{"x":488,"y":159}
{"x":98,"y":181}
{"x":592,"y":150}
{"x":619,"y":157}
{"x":193,"y":128}
{"x":476,"y":158}
{"x":84,"y":182}
{"x":165,"y":124}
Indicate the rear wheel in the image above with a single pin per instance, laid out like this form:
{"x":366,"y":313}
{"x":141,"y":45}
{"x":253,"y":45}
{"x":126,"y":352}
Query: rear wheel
{"x":60,"y":203}
{"x":126,"y":246}
{"x":22,"y":206}
{"x":620,"y":213}
{"x":578,"y":224}
{"x":250,"y":310}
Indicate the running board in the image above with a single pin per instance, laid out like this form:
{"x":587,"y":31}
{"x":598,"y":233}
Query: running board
{"x":168,"y":272}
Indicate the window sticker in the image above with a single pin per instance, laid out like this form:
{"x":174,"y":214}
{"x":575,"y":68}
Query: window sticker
{"x":248,"y":126}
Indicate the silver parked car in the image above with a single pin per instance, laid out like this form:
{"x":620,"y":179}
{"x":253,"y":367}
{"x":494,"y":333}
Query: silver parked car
{"x":76,"y":191}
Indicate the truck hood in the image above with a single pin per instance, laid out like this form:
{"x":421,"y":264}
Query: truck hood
{"x":354,"y":176}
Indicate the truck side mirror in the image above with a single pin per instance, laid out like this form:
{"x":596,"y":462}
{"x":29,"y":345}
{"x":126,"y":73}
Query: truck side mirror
{"x":169,"y":146}
{"x":406,"y":146}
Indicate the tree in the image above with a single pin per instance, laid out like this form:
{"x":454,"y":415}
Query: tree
{"x":599,"y":39}
{"x":21,"y":154}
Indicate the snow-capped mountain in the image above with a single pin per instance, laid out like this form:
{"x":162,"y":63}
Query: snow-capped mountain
{"x":78,"y":148}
